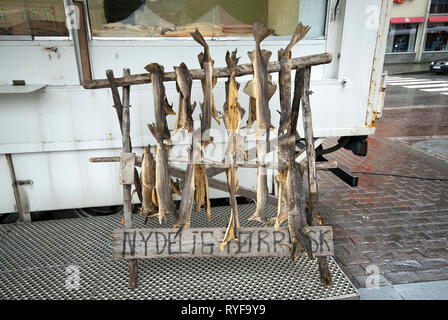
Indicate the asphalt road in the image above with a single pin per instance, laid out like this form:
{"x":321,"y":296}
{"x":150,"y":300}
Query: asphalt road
{"x":422,"y":94}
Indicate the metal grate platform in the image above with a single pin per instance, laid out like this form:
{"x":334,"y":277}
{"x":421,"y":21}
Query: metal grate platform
{"x":34,"y":257}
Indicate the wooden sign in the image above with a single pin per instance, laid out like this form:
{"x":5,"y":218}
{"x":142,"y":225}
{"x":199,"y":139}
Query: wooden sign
{"x":127,"y":165}
{"x":205,"y":242}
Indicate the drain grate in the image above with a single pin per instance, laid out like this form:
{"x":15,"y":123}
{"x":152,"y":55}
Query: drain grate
{"x":34,"y":258}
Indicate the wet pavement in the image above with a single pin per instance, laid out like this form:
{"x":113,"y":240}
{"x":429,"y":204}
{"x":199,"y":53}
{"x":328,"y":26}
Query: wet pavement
{"x":396,"y":220}
{"x":398,"y":96}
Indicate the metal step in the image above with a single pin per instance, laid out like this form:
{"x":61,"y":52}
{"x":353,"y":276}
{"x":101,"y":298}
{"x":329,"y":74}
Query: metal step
{"x":36,"y":259}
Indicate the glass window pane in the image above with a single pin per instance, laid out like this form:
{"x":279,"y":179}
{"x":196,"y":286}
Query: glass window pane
{"x":218,"y":18}
{"x":32,"y":17}
{"x":13,"y":18}
{"x":439,"y":6}
{"x":401,"y":37}
{"x":436,"y":37}
{"x":313,"y":13}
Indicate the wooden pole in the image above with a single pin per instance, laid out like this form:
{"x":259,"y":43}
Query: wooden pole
{"x":241,"y":70}
{"x":223,"y":166}
{"x":24,"y":216}
{"x":83,"y":43}
{"x":313,"y":216}
{"x":119,"y":109}
{"x":126,"y":134}
{"x":298,"y":92}
{"x":124,"y":121}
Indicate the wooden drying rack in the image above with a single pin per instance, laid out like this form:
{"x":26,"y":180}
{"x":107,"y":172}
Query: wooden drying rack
{"x":129,"y":174}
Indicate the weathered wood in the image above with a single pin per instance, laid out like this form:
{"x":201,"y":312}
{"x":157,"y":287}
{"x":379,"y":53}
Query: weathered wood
{"x":115,"y":96}
{"x":119,"y":109}
{"x":214,"y":171}
{"x":204,"y":242}
{"x":127,"y":166}
{"x":220,"y":167}
{"x":241,"y":70}
{"x":298,"y":92}
{"x":83,"y":42}
{"x":284,"y":77}
{"x":133,"y":273}
{"x":126,"y":118}
{"x":313,"y":218}
{"x":211,"y":172}
{"x":127,"y":213}
{"x":311,"y":154}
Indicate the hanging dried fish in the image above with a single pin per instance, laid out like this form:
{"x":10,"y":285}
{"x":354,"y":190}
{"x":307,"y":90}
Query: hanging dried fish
{"x":186,"y":204}
{"x":201,"y":195}
{"x":282,"y":207}
{"x":296,"y":214}
{"x":162,"y":195}
{"x":252,"y":117}
{"x":183,"y":84}
{"x":258,"y":88}
{"x":284,"y":57}
{"x":149,"y":208}
{"x":174,"y":185}
{"x":208,"y":107}
{"x":161,"y":105}
{"x":232,"y":119}
{"x":295,"y":202}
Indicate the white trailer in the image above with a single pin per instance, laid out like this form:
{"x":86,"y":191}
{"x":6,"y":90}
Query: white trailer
{"x":51,"y":126}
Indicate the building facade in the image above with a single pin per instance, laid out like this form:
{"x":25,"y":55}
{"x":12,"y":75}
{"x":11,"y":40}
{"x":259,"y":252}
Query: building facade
{"x":418,"y":31}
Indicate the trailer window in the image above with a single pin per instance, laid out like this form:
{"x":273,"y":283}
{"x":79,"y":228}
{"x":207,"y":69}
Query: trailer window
{"x":32,"y":17}
{"x":436,"y":37}
{"x":401,"y":37}
{"x":213,"y":18}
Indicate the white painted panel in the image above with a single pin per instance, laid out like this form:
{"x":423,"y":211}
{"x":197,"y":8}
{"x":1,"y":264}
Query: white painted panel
{"x":33,"y":62}
{"x":359,"y":42}
{"x":119,"y":54}
{"x":64,"y":180}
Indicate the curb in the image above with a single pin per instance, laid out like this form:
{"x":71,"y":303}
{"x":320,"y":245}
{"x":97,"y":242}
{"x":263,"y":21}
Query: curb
{"x":407,"y":72}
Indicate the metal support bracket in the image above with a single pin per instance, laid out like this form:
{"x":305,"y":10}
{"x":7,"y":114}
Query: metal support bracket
{"x":345,"y":176}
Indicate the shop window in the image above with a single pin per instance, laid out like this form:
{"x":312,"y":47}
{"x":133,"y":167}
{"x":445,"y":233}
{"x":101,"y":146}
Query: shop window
{"x":3,"y":19}
{"x":439,"y":6}
{"x":436,"y":37}
{"x":213,"y":18}
{"x":32,"y":18}
{"x":401,"y":37}
{"x":24,"y":15}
